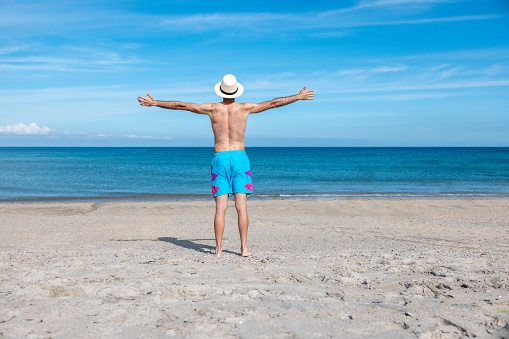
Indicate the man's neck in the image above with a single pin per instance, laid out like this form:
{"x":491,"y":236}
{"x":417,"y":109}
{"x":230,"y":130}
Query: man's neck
{"x":228,"y":101}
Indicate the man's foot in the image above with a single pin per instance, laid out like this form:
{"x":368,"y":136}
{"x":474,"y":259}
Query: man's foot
{"x":216,"y":254}
{"x":245,"y":253}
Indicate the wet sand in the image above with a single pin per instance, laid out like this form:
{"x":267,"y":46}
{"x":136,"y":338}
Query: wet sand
{"x":349,"y":268}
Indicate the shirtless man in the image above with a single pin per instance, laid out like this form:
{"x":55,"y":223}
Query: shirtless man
{"x":231,"y":172}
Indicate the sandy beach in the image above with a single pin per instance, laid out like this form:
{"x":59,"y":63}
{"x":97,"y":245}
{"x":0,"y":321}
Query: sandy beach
{"x":349,"y":268}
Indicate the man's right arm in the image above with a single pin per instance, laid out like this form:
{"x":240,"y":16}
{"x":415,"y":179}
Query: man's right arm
{"x":278,"y":102}
{"x":176,"y":105}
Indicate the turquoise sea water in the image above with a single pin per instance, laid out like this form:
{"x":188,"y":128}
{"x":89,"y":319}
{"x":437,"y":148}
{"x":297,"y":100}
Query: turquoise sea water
{"x":97,"y":174}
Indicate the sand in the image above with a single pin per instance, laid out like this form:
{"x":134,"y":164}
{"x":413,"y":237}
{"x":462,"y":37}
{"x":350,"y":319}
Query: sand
{"x":349,"y":268}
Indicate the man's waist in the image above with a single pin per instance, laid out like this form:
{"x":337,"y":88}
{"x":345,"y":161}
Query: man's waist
{"x":217,"y":154}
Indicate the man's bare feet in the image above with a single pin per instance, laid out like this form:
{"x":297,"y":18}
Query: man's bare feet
{"x":245,"y":253}
{"x":217,"y":254}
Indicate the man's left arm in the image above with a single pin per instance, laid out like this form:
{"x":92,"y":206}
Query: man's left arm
{"x":278,"y":102}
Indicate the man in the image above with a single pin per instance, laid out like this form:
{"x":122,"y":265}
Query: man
{"x":231,"y":172}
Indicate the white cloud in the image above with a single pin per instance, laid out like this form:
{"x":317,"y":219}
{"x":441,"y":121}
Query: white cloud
{"x":34,"y":130}
{"x":22,"y":129}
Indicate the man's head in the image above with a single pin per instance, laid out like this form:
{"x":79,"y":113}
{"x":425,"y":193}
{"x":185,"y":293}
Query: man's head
{"x":229,"y":88}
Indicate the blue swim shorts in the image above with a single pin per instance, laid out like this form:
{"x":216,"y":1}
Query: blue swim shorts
{"x":231,"y":173}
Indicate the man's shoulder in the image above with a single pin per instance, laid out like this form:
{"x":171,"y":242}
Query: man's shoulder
{"x":247,"y":104}
{"x":235,"y":106}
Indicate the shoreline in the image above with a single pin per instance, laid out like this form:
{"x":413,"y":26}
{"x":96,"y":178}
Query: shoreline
{"x":282,"y":196}
{"x":351,"y":268}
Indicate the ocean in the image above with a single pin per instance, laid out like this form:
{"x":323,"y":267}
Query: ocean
{"x":102,"y":174}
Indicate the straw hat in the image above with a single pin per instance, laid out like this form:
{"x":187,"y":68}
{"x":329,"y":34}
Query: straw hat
{"x":229,"y":87}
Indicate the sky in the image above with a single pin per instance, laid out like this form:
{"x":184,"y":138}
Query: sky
{"x":385,"y":72}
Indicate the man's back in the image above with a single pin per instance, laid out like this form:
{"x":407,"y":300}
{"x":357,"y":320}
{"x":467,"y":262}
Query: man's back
{"x":229,"y":125}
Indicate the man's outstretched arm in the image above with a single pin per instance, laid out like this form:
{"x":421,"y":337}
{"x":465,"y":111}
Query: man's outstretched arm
{"x":278,"y":102}
{"x":177,"y":105}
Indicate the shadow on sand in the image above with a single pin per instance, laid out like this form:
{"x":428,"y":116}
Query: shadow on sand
{"x":190,"y":244}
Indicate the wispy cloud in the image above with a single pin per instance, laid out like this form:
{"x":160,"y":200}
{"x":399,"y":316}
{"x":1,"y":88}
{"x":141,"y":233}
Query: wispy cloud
{"x":397,"y":78}
{"x":263,"y":22}
{"x":148,"y":137}
{"x":496,"y":69}
{"x":447,"y":73}
{"x":329,"y":34}
{"x":106,"y":137}
{"x":403,"y":87}
{"x":350,"y":71}
{"x":52,"y":18}
{"x":483,"y":68}
{"x":87,"y":136}
{"x":384,"y":3}
{"x":497,"y":52}
{"x":22,"y":129}
{"x":435,"y":20}
{"x":12,"y":47}
{"x":226,"y":20}
{"x":386,"y":69}
{"x":114,"y":92}
{"x":377,"y":69}
{"x":438,"y":67}
{"x":65,"y":94}
{"x":393,"y":97}
{"x":405,"y":4}
{"x":77,"y":60}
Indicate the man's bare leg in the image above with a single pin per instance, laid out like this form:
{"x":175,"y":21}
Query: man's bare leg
{"x":241,"y":206}
{"x":221,"y":205}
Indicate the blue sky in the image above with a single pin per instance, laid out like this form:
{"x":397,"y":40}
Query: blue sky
{"x":385,"y":72}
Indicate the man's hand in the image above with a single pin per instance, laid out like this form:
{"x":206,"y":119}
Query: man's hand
{"x":305,"y":95}
{"x":147,"y":101}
